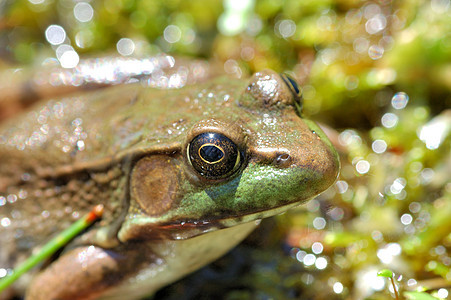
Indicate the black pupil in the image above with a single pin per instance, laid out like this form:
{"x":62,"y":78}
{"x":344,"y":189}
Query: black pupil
{"x":211,"y":153}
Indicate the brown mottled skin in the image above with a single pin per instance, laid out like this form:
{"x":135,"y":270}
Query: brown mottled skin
{"x":126,"y":147}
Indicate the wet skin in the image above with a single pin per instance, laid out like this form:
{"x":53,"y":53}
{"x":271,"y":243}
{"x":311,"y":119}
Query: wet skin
{"x":183,"y":175}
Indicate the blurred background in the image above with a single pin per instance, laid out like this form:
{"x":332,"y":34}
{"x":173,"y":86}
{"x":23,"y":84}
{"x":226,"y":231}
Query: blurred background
{"x":377,"y":72}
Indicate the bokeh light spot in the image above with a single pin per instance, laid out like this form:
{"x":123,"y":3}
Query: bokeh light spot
{"x":286,"y":28}
{"x":338,"y":287}
{"x":375,"y":52}
{"x":69,"y":59}
{"x":83,"y":12}
{"x":317,"y":248}
{"x":379,"y":146}
{"x":319,"y":223}
{"x":400,"y":100}
{"x":321,"y":263}
{"x":362,"y":167}
{"x":55,"y":34}
{"x":442,"y":293}
{"x":406,"y":219}
{"x":172,"y":34}
{"x":389,"y":120}
{"x":125,"y":47}
{"x":309,"y":260}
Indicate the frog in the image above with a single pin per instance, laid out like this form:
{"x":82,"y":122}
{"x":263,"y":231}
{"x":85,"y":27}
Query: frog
{"x":183,"y":175}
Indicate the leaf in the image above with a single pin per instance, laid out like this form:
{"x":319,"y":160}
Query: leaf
{"x":385,"y":273}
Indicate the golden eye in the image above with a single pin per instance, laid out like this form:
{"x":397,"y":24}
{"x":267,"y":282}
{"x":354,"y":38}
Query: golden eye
{"x":214,"y":155}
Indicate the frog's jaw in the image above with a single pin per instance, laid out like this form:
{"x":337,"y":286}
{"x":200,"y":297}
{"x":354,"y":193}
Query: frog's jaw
{"x":143,"y":226}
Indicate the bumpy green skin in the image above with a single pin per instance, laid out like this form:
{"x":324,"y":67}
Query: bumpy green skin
{"x":133,"y":160}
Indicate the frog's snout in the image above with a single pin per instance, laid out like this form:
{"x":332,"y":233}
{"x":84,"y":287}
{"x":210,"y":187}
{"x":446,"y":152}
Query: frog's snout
{"x":304,"y":167}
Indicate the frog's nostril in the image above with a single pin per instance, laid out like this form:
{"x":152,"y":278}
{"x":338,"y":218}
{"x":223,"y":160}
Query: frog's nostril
{"x":282,"y":160}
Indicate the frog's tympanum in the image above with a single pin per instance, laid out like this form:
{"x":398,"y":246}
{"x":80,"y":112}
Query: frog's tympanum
{"x":183,"y":175}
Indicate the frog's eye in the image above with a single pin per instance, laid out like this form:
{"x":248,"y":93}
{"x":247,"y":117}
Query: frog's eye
{"x":214,"y":155}
{"x":294,"y":88}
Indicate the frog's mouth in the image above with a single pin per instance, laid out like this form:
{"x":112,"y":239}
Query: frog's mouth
{"x":186,"y":229}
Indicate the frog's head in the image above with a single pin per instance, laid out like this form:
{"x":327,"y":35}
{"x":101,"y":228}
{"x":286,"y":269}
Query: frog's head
{"x":246,"y":158}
